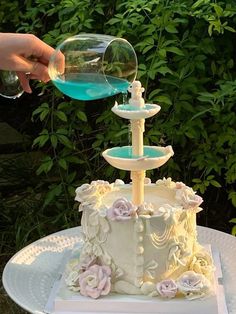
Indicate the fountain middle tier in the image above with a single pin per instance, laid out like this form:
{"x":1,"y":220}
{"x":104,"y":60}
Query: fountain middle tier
{"x":132,"y":112}
{"x":122,"y":157}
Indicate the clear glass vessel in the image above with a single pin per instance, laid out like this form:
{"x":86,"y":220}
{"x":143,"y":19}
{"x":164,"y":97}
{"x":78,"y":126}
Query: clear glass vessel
{"x":93,"y":66}
{"x":10,"y":86}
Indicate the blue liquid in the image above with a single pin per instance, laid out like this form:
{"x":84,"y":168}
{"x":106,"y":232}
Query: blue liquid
{"x":90,"y":86}
{"x":126,"y":152}
{"x":127,"y":107}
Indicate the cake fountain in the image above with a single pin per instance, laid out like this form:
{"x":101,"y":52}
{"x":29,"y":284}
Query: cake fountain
{"x":137,"y":158}
{"x":137,"y":237}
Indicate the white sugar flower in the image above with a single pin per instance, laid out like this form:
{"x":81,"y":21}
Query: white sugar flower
{"x":145,"y":209}
{"x":102,"y":186}
{"x":166,"y":182}
{"x":193,"y":285}
{"x":119,"y":182}
{"x":85,"y":192}
{"x":72,"y":280}
{"x":187,"y":197}
{"x":202,"y":263}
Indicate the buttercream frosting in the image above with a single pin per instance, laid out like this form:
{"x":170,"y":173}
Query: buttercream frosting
{"x":149,"y":249}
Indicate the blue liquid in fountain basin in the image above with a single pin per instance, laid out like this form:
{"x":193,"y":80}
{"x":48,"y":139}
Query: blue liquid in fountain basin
{"x":126,"y":152}
{"x":127,"y":107}
{"x":90,"y":86}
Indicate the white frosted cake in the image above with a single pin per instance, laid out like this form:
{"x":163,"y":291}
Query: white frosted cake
{"x":150,"y":249}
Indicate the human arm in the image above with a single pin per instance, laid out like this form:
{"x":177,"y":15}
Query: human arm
{"x":27,"y":55}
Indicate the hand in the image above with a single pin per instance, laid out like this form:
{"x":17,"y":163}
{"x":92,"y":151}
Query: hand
{"x":27,"y":55}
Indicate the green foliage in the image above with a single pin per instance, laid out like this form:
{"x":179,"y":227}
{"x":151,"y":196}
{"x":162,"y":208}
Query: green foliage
{"x":202,"y":185}
{"x":26,"y":213}
{"x":186,"y":57}
{"x":9,"y":15}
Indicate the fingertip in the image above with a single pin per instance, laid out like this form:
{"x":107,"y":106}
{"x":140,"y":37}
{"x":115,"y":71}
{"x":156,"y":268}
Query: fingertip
{"x":27,"y":89}
{"x":24,"y":82}
{"x":46,"y":80}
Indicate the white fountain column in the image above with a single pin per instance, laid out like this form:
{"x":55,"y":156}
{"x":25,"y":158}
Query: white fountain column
{"x":137,"y":129}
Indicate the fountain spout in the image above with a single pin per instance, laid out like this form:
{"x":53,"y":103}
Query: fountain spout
{"x":137,"y":129}
{"x":136,"y":91}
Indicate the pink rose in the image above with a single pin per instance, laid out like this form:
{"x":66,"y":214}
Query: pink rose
{"x":121,"y":209}
{"x":95,"y":281}
{"x":167,"y":288}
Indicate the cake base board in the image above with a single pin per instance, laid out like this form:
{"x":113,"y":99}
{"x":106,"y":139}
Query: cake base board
{"x":135,"y":304}
{"x":63,"y":301}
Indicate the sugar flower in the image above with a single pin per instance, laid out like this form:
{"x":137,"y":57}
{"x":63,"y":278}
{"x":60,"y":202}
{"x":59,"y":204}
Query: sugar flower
{"x":166,"y":182}
{"x":95,"y":281}
{"x":201,"y":262}
{"x":145,"y":209}
{"x":72,"y":280}
{"x":102,"y":186}
{"x":85,"y":192}
{"x":167,"y":288}
{"x":121,"y":210}
{"x":193,"y":285}
{"x":187,"y":197}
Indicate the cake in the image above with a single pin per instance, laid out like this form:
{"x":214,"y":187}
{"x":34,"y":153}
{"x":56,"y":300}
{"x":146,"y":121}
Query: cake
{"x":150,"y":249}
{"x":139,"y":238}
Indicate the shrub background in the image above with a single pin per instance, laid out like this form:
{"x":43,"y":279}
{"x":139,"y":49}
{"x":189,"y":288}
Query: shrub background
{"x":186,"y":53}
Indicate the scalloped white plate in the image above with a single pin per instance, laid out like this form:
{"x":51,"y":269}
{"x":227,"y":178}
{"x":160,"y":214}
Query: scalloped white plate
{"x":30,"y":274}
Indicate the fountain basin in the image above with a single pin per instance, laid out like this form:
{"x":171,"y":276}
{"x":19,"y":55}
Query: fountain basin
{"x":153,"y":157}
{"x":132,"y":112}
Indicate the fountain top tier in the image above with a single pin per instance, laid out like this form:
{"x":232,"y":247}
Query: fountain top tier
{"x":137,"y":158}
{"x":136,"y":108}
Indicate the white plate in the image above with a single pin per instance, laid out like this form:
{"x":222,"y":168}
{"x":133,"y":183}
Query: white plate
{"x":30,"y":274}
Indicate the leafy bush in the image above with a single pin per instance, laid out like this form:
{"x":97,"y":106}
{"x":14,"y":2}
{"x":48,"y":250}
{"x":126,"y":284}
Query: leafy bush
{"x":186,"y":56}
